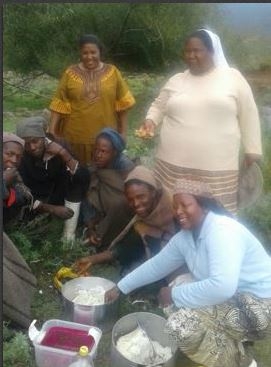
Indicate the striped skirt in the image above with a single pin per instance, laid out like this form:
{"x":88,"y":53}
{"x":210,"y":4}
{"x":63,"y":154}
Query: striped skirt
{"x":224,"y":184}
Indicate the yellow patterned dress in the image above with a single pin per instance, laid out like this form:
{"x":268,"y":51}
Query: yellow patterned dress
{"x":89,"y":101}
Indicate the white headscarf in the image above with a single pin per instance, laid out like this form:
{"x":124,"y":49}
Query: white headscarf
{"x":218,"y":57}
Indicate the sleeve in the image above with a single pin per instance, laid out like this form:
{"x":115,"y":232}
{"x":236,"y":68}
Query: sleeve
{"x":60,"y":102}
{"x":10,"y":198}
{"x":225,"y":252}
{"x":248,"y":117}
{"x":159,"y":266}
{"x":158,"y":107}
{"x":124,"y":98}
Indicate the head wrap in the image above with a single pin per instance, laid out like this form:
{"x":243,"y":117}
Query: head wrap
{"x":115,"y":138}
{"x":10,"y":137}
{"x":192,"y":187}
{"x":218,"y":57}
{"x":145,"y":175}
{"x":31,"y":127}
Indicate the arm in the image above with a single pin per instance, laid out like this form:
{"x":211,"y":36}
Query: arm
{"x":55,"y":149}
{"x":166,"y":261}
{"x":156,"y":111}
{"x":124,"y":101}
{"x":54,"y":121}
{"x":122,"y":123}
{"x":60,"y":105}
{"x":249,"y":122}
{"x":224,"y":256}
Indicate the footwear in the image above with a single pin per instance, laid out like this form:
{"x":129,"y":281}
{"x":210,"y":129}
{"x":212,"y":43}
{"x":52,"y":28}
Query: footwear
{"x":71,"y":224}
{"x":253,"y":363}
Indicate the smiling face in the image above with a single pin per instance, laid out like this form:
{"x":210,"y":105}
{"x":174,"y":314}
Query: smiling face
{"x":141,"y":198}
{"x":90,"y":56}
{"x":197,"y":56}
{"x":104,"y":153}
{"x":12,"y":155}
{"x":35,"y":146}
{"x":187,"y":210}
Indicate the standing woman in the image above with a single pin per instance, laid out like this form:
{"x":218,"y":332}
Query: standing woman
{"x":91,"y":95}
{"x":205,"y":114}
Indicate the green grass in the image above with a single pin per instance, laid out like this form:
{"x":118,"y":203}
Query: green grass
{"x":30,"y":102}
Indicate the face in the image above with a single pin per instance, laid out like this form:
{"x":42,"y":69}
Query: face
{"x":197,"y":57}
{"x":35,"y":146}
{"x":104,"y":153}
{"x":90,"y":56}
{"x":12,"y":155}
{"x":188,"y":212}
{"x":141,"y":199}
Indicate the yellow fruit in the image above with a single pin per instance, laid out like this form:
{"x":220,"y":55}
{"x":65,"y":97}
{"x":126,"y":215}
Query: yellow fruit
{"x":144,"y":134}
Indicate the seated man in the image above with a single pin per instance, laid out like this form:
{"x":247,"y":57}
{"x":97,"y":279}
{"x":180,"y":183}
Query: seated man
{"x":18,"y":281}
{"x":105,"y":195}
{"x":151,"y":227}
{"x":52,"y":174}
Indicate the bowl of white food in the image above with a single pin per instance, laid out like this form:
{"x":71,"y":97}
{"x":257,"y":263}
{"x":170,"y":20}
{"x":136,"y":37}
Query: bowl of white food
{"x":84,"y":303}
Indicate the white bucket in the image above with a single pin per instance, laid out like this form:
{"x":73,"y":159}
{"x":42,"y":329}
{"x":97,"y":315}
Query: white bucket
{"x":50,"y":357}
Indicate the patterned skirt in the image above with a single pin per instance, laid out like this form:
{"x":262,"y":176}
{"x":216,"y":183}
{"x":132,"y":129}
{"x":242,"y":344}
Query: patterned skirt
{"x":224,"y":184}
{"x":214,"y":336}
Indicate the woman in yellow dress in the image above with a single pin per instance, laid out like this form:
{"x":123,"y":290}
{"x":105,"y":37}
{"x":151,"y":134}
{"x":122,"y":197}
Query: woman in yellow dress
{"x":90,"y":96}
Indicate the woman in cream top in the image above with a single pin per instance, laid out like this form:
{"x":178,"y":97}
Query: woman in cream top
{"x":205,"y":113}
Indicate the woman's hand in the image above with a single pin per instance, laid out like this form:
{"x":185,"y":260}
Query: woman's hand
{"x":82,"y":265}
{"x":148,"y":126}
{"x":249,"y":159}
{"x":146,"y":130}
{"x":164,"y":297}
{"x":111,"y":295}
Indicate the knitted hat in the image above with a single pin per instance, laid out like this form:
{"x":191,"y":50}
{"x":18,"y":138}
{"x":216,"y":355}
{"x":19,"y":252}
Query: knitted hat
{"x":192,"y":186}
{"x":10,"y":137}
{"x":250,"y":185}
{"x":31,"y":127}
{"x":143,"y":174}
{"x":116,"y":139}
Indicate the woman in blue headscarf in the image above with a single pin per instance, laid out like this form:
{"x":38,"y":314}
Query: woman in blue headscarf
{"x":105,"y":195}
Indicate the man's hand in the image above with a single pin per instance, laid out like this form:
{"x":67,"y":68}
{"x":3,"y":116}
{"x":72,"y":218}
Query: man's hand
{"x":53,"y":148}
{"x":10,"y":176}
{"x":59,"y":211}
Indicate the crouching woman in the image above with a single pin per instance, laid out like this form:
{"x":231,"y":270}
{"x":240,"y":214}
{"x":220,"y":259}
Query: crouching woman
{"x":228,"y":299}
{"x":151,"y":227}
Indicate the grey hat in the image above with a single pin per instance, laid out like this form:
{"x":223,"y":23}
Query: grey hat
{"x":31,"y":127}
{"x":10,"y":137}
{"x":250,"y":185}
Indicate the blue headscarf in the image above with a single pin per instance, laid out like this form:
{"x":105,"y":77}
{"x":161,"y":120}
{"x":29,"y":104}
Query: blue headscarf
{"x":115,"y":138}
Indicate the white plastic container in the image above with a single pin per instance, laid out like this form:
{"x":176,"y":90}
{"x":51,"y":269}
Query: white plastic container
{"x":51,"y":357}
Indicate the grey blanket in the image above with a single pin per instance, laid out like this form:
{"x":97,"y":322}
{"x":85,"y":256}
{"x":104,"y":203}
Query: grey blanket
{"x":18,"y":285}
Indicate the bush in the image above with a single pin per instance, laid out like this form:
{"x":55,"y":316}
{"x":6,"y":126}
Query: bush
{"x":17,"y":351}
{"x":258,"y":219}
{"x":44,"y":37}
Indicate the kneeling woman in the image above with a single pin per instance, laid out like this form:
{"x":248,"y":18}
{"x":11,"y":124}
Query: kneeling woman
{"x":151,"y":227}
{"x":228,"y":301}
